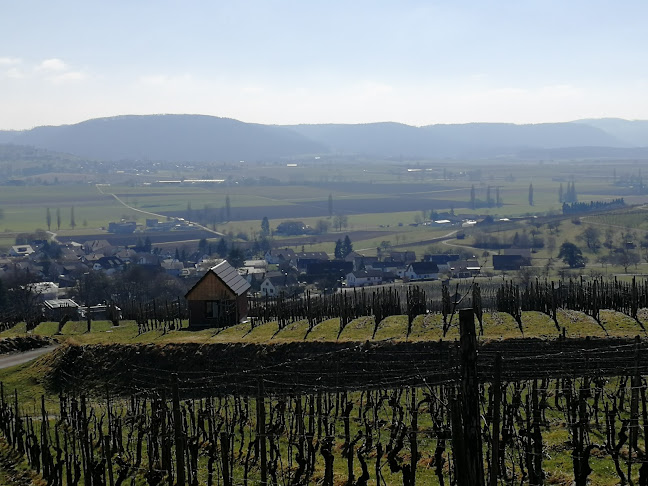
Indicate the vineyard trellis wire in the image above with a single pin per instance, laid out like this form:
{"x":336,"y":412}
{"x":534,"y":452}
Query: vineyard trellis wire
{"x":195,"y":430}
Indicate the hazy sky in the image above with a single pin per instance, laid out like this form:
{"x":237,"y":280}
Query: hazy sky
{"x":284,"y":62}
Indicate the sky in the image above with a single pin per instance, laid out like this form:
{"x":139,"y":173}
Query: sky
{"x":312,"y":61}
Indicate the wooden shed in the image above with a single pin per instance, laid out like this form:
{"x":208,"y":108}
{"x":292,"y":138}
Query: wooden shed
{"x":219,"y":298}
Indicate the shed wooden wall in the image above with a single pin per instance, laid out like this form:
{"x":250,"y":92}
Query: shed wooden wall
{"x":210,"y":288}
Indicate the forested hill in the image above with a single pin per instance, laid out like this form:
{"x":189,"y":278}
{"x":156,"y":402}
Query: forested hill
{"x":471,"y":139}
{"x":194,"y":138}
{"x":200,"y":138}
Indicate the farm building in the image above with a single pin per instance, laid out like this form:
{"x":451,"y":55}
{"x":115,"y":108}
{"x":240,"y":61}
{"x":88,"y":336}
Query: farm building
{"x":21,"y":250}
{"x":362,"y":278}
{"x":422,"y":271}
{"x":510,"y":262}
{"x":56,"y":309}
{"x":219,"y":298}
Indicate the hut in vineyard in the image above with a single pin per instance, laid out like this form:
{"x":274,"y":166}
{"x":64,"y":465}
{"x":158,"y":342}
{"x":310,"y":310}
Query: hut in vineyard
{"x":219,"y":298}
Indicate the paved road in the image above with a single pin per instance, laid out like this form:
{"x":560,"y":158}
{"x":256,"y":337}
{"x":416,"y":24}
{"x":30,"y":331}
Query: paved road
{"x":13,"y":359}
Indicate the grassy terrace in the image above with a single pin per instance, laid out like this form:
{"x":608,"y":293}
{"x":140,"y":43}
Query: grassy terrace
{"x":425,"y":328}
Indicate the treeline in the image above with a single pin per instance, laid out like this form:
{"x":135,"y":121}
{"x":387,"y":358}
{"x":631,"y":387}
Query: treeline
{"x":583,"y":207}
{"x":521,"y":239}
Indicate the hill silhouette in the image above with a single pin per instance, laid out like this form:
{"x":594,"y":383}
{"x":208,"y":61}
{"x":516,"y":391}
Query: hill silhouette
{"x":196,"y":138}
{"x":201,"y":138}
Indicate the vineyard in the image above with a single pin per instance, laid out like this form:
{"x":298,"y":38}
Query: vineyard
{"x":506,"y":412}
{"x":457,"y":410}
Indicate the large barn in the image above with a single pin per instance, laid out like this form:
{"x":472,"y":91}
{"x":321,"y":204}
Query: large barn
{"x":219,"y":298}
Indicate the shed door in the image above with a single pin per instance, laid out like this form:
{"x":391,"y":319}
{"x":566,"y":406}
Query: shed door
{"x":223,"y":312}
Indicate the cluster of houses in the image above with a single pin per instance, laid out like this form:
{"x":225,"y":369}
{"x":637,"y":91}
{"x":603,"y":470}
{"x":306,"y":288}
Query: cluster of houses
{"x":292,"y":270}
{"x":280,"y":271}
{"x":73,"y":259}
{"x":219,"y":298}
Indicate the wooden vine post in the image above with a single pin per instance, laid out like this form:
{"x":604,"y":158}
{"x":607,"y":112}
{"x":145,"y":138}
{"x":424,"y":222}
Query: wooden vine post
{"x":496,"y":390}
{"x":261,"y":432}
{"x":179,"y":438}
{"x":471,"y":472}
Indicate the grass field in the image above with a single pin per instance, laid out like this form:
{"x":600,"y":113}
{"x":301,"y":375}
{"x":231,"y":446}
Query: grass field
{"x":424,"y":328}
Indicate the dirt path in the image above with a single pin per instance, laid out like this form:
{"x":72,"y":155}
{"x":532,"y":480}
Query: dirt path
{"x":14,"y":359}
{"x":162,"y":216}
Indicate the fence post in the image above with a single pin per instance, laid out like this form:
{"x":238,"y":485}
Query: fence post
{"x":473,"y":473}
{"x":413,"y":438}
{"x":108,"y":457}
{"x":261,"y":432}
{"x":224,"y":439}
{"x":496,"y":390}
{"x":177,"y":425}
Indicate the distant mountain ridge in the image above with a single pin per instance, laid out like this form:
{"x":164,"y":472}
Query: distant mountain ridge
{"x":471,"y":139}
{"x":202,"y":138}
{"x":632,"y":132}
{"x":193,"y":138}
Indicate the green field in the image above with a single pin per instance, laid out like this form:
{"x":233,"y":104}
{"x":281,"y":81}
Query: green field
{"x":381,"y":200}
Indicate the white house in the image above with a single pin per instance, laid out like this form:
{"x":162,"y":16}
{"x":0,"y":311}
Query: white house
{"x":362,"y":278}
{"x":278,"y":255}
{"x":276,"y":283}
{"x":422,"y":271}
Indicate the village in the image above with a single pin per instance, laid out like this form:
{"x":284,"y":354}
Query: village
{"x":95,"y":277}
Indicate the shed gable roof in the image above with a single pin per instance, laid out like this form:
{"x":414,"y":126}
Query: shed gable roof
{"x":227,"y":274}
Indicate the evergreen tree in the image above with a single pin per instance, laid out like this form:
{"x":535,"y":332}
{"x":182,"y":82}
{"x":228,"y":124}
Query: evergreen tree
{"x":221,"y":248}
{"x":530,"y":194}
{"x":338,"y":249}
{"x":265,"y":226}
{"x":72,"y":221}
{"x":561,"y":194}
{"x":347,"y":246}
{"x":48,"y":219}
{"x":572,"y":255}
{"x":202,"y":245}
{"x":489,"y":200}
{"x":498,"y":198}
{"x":228,"y":208}
{"x":236,"y":257}
{"x":58,"y":218}
{"x":472,"y":196}
{"x":148,"y":245}
{"x":264,"y":244}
